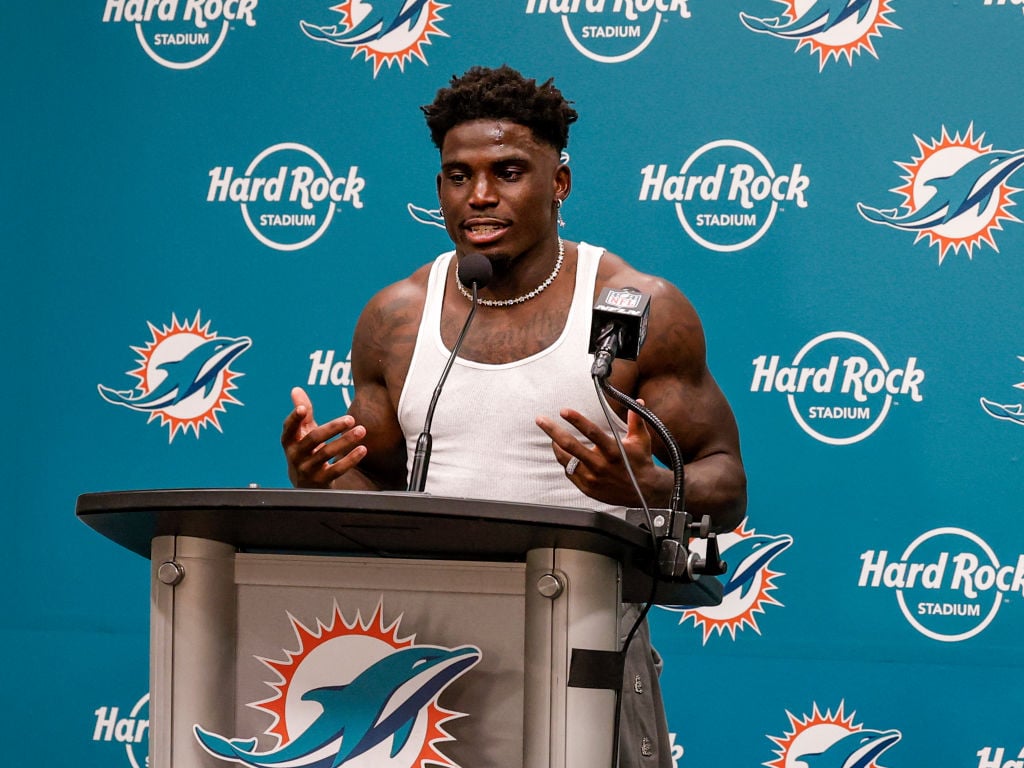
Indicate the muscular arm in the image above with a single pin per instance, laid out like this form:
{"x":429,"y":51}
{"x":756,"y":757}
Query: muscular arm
{"x":381,"y":348}
{"x":674,"y":381}
{"x":672,"y":378}
{"x":365,"y":449}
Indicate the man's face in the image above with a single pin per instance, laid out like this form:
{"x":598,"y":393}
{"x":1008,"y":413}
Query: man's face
{"x":498,"y":186}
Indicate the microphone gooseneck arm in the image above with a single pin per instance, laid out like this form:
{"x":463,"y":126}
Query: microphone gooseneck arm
{"x":675,"y":455}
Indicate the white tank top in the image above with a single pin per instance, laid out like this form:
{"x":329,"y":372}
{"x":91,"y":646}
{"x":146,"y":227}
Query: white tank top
{"x":485,"y":442}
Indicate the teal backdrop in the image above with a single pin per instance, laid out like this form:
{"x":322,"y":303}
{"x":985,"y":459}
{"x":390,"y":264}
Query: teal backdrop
{"x":832,"y":184}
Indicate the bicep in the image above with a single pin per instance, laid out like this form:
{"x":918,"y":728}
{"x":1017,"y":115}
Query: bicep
{"x":694,"y":410}
{"x":675,"y":382}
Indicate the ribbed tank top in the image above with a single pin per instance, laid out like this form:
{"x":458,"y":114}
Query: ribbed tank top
{"x":485,"y":442}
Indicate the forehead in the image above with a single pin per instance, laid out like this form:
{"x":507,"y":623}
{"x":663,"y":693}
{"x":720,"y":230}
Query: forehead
{"x":493,"y":138}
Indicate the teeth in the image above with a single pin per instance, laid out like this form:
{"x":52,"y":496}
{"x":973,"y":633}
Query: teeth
{"x":484,"y":229}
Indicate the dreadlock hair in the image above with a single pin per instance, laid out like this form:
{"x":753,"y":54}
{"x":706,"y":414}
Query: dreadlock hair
{"x":501,"y":93}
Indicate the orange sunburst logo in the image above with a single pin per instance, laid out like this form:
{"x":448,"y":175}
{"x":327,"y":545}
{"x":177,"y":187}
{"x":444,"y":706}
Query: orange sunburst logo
{"x":384,"y":31}
{"x":955,"y":193}
{"x":183,"y":376}
{"x":845,"y":742}
{"x":846,"y":29}
{"x":748,"y":588}
{"x":361,"y":694}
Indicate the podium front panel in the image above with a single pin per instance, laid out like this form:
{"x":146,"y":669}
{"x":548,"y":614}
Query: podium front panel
{"x":301,"y":623}
{"x":254,"y":652}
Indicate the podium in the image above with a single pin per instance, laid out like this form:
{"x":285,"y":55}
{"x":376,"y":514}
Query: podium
{"x":290,"y":626}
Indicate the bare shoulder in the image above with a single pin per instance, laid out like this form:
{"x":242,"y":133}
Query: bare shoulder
{"x":675,"y":335}
{"x":386,"y":330}
{"x":397,"y":304}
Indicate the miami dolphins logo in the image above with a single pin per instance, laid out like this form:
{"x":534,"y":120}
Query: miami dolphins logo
{"x":354,"y":695}
{"x":956,"y":193}
{"x":748,"y":583}
{"x":833,"y":29}
{"x":384,"y":31}
{"x":1013,"y":412}
{"x":831,"y":740}
{"x":184,"y":378}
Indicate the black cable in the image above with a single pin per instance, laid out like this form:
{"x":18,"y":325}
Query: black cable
{"x":599,"y":384}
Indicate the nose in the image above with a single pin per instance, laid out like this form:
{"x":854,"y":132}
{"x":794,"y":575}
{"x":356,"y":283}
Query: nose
{"x":484,"y":192}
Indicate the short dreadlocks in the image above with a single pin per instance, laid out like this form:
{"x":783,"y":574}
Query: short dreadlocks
{"x":501,"y":93}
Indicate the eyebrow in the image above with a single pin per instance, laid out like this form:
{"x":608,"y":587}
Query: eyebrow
{"x":510,"y":160}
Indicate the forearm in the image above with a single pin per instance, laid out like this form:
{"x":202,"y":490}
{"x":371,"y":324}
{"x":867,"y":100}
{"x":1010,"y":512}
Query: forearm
{"x":716,"y":485}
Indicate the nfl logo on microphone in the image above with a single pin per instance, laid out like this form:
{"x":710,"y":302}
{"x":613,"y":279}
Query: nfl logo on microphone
{"x":623,"y":299}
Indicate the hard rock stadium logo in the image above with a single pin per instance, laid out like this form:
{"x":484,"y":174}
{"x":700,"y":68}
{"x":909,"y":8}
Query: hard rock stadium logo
{"x":181,"y":34}
{"x":948,"y":582}
{"x":352,"y":694}
{"x":955,"y":194}
{"x":832,"y":740}
{"x":611,"y":31}
{"x":383,"y":31}
{"x":839,"y":386}
{"x":288,"y":194}
{"x":184,"y":376}
{"x":832,"y":29}
{"x":726,"y":193}
{"x":747,"y":586}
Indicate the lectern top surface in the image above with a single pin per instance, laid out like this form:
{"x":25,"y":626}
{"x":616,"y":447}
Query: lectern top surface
{"x":400,"y":524}
{"x":404,"y":525}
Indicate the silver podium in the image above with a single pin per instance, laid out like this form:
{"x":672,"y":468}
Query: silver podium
{"x":271,"y":608}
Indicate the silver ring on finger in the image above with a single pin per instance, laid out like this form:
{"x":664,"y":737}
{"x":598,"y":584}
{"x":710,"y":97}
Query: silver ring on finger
{"x":571,"y":467}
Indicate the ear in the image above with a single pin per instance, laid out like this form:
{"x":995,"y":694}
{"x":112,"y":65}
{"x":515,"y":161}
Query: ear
{"x":438,"y":180}
{"x":562,"y":181}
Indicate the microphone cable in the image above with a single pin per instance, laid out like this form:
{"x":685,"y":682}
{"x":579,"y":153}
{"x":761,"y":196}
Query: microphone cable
{"x":601,"y":386}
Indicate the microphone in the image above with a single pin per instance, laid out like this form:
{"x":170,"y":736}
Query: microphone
{"x":474,"y":270}
{"x":618,"y":327}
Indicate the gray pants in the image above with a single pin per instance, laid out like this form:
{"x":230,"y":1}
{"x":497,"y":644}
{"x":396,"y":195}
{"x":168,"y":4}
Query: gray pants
{"x":643,"y":731}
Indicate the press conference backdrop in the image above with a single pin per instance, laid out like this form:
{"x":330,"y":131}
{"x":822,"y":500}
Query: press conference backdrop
{"x":834,"y":184}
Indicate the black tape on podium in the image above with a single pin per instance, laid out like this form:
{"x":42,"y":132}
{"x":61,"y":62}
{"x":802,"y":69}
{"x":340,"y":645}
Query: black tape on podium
{"x":596,"y":669}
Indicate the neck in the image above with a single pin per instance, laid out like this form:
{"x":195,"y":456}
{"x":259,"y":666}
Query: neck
{"x":515,"y":275}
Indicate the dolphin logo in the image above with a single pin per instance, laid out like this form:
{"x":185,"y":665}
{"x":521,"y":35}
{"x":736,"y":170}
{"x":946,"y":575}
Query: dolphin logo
{"x":196,"y":371}
{"x":970,"y":187}
{"x":857,"y":750}
{"x":1014,"y":413}
{"x":382,"y":702}
{"x":432,"y":216}
{"x":819,"y":18}
{"x":385,"y":17}
{"x":751,"y":555}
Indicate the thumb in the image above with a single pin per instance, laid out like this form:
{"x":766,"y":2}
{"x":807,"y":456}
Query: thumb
{"x":301,"y":401}
{"x":636,"y":428}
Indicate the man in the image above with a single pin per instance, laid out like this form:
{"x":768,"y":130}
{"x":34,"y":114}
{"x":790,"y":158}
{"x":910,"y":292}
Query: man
{"x":519,"y":418}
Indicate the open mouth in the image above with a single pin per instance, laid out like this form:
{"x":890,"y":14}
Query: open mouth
{"x":482,"y":232}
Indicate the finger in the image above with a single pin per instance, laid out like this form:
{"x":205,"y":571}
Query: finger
{"x":636,"y":430}
{"x":298,"y":423}
{"x":291,"y":430}
{"x":566,"y":448}
{"x":301,"y":399}
{"x":333,"y":437}
{"x":327,"y":460}
{"x":299,"y":447}
{"x":603,"y":441}
{"x":563,"y":442}
{"x":323,"y":473}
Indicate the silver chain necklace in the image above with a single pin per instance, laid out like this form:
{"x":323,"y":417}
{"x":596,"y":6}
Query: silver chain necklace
{"x":519,"y":299}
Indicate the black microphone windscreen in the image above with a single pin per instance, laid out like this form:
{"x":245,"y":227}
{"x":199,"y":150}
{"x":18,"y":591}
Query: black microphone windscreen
{"x":475,"y":268}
